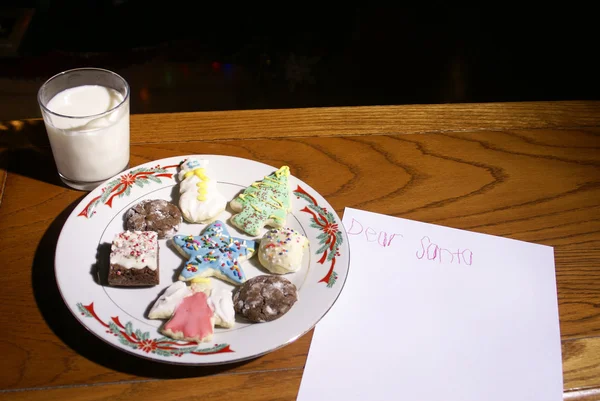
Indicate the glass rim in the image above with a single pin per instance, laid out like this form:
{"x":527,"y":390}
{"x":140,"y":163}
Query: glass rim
{"x":47,"y":110}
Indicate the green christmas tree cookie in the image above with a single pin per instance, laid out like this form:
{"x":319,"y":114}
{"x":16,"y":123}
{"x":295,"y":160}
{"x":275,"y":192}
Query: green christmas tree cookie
{"x":264,"y":203}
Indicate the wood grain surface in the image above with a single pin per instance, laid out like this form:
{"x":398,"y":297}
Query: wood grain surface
{"x":242,"y":386}
{"x":3,"y":171}
{"x":335,"y":121}
{"x":524,"y":171}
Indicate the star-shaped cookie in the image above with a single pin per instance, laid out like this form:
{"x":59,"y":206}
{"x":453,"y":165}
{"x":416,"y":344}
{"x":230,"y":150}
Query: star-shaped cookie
{"x":214,"y":253}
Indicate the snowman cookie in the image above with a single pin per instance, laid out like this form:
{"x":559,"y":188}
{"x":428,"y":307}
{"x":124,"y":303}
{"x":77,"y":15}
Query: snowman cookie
{"x":199,"y":200}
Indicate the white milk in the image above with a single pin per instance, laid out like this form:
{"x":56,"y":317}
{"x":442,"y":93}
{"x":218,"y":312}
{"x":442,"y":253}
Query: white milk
{"x":96,"y":146}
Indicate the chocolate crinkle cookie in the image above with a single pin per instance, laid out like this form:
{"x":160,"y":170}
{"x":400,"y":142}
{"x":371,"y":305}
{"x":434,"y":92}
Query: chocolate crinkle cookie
{"x":154,"y":215}
{"x":265,"y":298}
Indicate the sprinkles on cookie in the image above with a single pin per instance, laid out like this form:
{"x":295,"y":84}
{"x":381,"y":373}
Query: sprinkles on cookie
{"x":215,"y":253}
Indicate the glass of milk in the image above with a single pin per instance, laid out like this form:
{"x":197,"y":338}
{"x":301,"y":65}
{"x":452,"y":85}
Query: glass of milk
{"x":86,"y":113}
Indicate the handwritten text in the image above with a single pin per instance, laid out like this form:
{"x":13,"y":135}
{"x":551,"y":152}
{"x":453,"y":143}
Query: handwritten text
{"x":431,"y":251}
{"x":383,"y":238}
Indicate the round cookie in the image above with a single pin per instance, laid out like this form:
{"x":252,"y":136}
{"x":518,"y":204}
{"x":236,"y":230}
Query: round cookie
{"x":281,"y":250}
{"x":154,"y":215}
{"x":265,"y":298}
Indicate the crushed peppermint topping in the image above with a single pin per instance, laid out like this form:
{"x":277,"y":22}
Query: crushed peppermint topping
{"x":135,"y":249}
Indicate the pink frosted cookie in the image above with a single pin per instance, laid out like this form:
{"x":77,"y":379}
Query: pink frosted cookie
{"x":193,"y":320}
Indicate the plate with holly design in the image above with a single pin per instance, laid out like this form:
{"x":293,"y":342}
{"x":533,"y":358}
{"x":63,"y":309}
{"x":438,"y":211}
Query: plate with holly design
{"x":119,"y":315}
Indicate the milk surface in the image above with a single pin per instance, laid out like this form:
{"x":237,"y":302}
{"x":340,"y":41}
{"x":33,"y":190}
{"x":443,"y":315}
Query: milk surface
{"x":94,"y":145}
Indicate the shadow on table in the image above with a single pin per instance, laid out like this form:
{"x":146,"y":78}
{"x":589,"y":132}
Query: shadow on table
{"x":23,"y":133}
{"x":30,"y":153}
{"x":72,"y":333}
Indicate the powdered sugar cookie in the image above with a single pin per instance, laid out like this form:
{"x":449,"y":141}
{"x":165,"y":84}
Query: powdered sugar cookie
{"x":154,"y":215}
{"x":265,"y":298}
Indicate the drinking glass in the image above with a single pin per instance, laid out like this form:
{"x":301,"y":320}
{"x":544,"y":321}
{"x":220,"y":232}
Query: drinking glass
{"x":86,"y":114}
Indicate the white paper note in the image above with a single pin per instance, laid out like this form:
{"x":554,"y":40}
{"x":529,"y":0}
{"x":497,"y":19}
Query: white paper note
{"x":435,"y":313}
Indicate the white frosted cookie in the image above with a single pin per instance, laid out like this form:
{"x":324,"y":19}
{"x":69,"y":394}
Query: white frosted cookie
{"x":166,"y":304}
{"x":281,"y":250}
{"x":199,"y":200}
{"x":221,"y":302}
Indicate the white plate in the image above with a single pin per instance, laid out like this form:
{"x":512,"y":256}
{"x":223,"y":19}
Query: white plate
{"x":118,"y":315}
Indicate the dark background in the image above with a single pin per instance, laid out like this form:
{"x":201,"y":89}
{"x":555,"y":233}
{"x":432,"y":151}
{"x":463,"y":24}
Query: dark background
{"x":178,"y":56}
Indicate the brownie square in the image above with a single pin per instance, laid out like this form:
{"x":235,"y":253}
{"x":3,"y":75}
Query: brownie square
{"x":134,"y":259}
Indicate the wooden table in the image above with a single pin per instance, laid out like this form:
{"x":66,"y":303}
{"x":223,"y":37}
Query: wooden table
{"x":529,"y":171}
